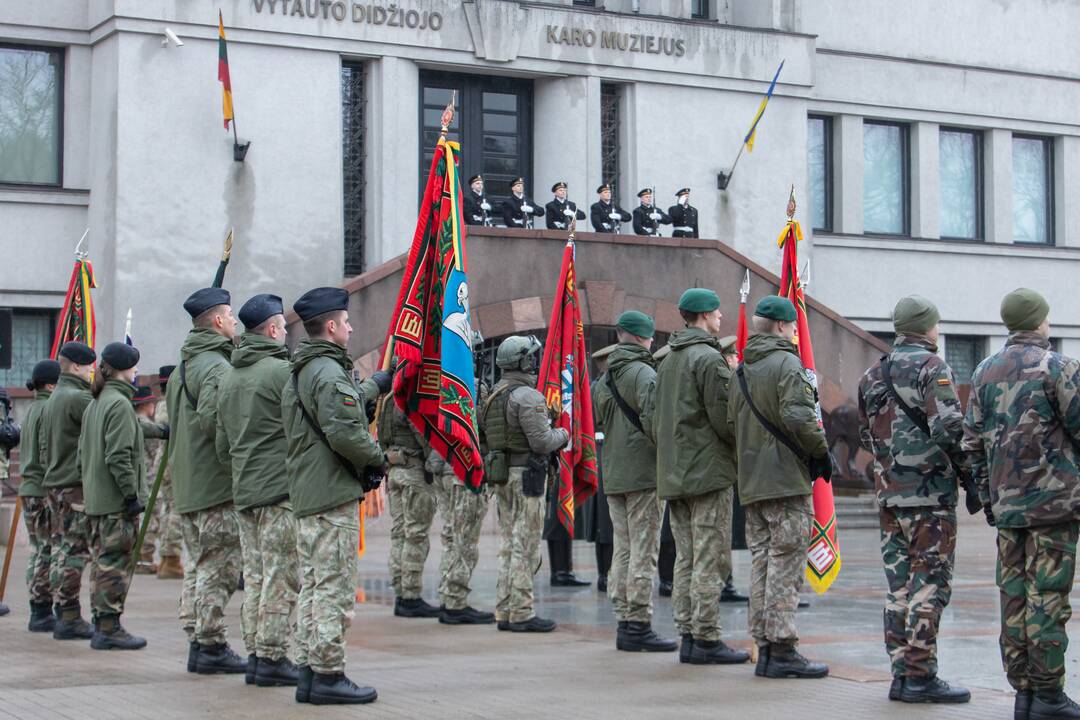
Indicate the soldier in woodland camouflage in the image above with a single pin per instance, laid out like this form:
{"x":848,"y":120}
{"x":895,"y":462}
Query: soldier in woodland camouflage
{"x":916,"y":494}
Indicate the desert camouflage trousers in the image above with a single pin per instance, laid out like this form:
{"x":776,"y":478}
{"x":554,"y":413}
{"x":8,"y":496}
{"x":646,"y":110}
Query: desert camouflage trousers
{"x":461,"y":540}
{"x":271,"y":578}
{"x":701,"y":526}
{"x":211,"y":571}
{"x":777,"y":532}
{"x":112,"y":538}
{"x":635,"y":520}
{"x":39,"y":529}
{"x":412,"y":502}
{"x":69,"y":559}
{"x":521,"y":523}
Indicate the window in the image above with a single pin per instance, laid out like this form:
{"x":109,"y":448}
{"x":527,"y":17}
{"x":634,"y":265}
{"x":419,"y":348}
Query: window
{"x":30,"y":340}
{"x":586,"y":3}
{"x":609,"y":135}
{"x":819,"y":163}
{"x":31,"y":114}
{"x":1033,"y":196}
{"x":353,"y":154}
{"x":963,"y":353}
{"x":885,"y":178}
{"x":699,"y":9}
{"x":960,"y":170}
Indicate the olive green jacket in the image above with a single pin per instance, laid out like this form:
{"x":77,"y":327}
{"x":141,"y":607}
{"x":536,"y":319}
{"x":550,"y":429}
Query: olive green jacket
{"x":32,"y":448}
{"x":200,"y":480}
{"x":687,"y":418}
{"x":62,"y":420}
{"x":318,"y":481}
{"x":783,"y":393}
{"x":629,"y":455}
{"x":250,"y":432}
{"x":110,"y":453}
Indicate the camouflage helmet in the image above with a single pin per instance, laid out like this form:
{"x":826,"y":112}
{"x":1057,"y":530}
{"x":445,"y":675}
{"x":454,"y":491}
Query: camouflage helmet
{"x":514,"y":350}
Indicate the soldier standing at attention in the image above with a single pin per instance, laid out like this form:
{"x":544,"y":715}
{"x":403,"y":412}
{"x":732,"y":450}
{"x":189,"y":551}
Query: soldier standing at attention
{"x":202,"y":484}
{"x":475,"y":207}
{"x":605,"y":215}
{"x":781,"y":448}
{"x":629,"y":471}
{"x":518,"y":210}
{"x":684,"y":216}
{"x":36,"y":515}
{"x":154,"y":435}
{"x":170,"y":537}
{"x":61,"y":420}
{"x":332,"y":460}
{"x":250,"y":438}
{"x":560,"y":211}
{"x":111,"y":462}
{"x":910,"y":420}
{"x":647,"y":217}
{"x":1022,"y":439}
{"x":520,"y":443}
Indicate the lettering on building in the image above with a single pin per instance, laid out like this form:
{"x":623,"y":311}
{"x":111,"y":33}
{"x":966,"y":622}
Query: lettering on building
{"x":371,"y":13}
{"x":612,"y":40}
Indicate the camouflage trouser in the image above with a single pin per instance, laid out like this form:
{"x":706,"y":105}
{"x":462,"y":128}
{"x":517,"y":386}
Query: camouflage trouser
{"x":212,"y":544}
{"x":39,"y":529}
{"x":73,"y":528}
{"x":327,"y":545}
{"x":170,"y":533}
{"x":635,"y":521}
{"x":467,"y":511}
{"x":444,"y":503}
{"x":701,"y":527}
{"x":1035,"y":573}
{"x":271,"y":577}
{"x":521,"y":523}
{"x":777,"y":532}
{"x":112,"y":538}
{"x":917,"y":547}
{"x":412,"y":509}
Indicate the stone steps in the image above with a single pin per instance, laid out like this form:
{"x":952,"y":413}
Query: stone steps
{"x":859,"y":512}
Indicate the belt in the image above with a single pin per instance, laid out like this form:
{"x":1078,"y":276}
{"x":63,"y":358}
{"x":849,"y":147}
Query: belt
{"x":683,"y":228}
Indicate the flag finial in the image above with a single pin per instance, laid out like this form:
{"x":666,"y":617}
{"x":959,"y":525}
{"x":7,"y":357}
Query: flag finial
{"x":791,"y":204}
{"x":744,"y":289}
{"x":448,"y":114}
{"x":80,"y":252}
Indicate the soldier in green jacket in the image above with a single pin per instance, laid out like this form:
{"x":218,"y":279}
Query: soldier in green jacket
{"x":251,"y":440}
{"x":775,"y":483}
{"x":916,"y":494}
{"x":202,"y":484}
{"x":332,"y":460}
{"x":1022,"y":439}
{"x":111,"y":462}
{"x":61,"y":421}
{"x":36,"y":513}
{"x":629,"y":472}
{"x":695,"y":473}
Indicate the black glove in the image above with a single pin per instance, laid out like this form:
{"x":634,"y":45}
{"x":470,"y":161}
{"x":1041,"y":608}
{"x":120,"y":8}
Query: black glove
{"x":132,"y":507}
{"x":384,"y":379}
{"x":972,"y":502}
{"x":429,"y":477}
{"x":990,"y":519}
{"x":821,"y":467}
{"x":373,"y":475}
{"x":165,"y":431}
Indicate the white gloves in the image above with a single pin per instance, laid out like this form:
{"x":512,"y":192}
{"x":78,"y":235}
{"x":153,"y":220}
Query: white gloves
{"x":568,"y":213}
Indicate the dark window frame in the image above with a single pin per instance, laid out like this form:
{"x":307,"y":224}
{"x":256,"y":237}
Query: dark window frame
{"x":1048,"y":150}
{"x":699,"y":9}
{"x":828,"y":126}
{"x":60,"y":52}
{"x":610,"y":165}
{"x":354,"y":234}
{"x":585,"y":3}
{"x":980,"y":183}
{"x":980,"y":347}
{"x":53,"y":315}
{"x":905,"y":181}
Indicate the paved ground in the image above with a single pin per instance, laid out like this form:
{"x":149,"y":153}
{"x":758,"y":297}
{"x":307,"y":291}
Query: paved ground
{"x":426,"y":670}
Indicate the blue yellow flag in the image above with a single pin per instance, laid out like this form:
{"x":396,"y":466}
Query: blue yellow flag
{"x":749,"y":139}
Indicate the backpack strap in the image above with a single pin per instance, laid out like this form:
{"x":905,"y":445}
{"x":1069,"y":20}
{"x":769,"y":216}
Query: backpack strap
{"x":628,"y":411}
{"x":345,"y":462}
{"x":183,"y":386}
{"x":918,"y":417}
{"x":772,"y":429}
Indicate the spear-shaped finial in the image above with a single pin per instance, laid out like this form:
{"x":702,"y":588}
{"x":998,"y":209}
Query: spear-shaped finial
{"x":804,"y":276}
{"x":80,"y":252}
{"x":791,"y":204}
{"x":744,"y":289}
{"x":448,"y":114}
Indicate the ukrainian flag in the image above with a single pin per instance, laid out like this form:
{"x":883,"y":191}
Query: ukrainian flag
{"x":749,"y":139}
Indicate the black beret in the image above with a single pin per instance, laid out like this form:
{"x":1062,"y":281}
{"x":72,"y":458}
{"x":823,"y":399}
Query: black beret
{"x":560,"y":184}
{"x":644,"y":191}
{"x":143,"y":395}
{"x":165,"y":371}
{"x":320,"y":301}
{"x":682,"y":191}
{"x":77,"y":352}
{"x":515,"y":181}
{"x":260,"y":307}
{"x":474,"y":178}
{"x":202,"y":300}
{"x":603,"y":187}
{"x":46,"y":372}
{"x":120,"y":356}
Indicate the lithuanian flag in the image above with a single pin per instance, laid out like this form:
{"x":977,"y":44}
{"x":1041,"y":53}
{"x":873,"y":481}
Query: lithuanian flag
{"x":223,"y":73}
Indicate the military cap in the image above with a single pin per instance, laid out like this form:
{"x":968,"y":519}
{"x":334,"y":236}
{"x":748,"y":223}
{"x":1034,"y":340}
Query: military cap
{"x":560,"y":184}
{"x":45,"y":372}
{"x":604,"y":351}
{"x":476,"y":177}
{"x":636,"y":323}
{"x":143,"y":395}
{"x":165,"y":371}
{"x":77,"y":352}
{"x":320,"y":301}
{"x":644,"y":191}
{"x":120,"y":356}
{"x":914,"y":315}
{"x":515,"y":181}
{"x":202,"y":300}
{"x":602,"y":188}
{"x":682,"y":191}
{"x":776,"y":308}
{"x":727,"y":344}
{"x":699,"y":300}
{"x":260,"y":307}
{"x":1024,"y":310}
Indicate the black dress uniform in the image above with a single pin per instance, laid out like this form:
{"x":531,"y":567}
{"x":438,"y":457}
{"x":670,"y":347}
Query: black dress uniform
{"x":558,"y":212}
{"x":600,"y":214}
{"x":684,"y":218}
{"x":475,"y":207}
{"x":513,"y":213}
{"x":644,"y":221}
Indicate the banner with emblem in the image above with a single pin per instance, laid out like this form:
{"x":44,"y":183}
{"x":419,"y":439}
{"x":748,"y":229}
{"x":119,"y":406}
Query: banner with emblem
{"x":431,"y":332}
{"x":77,"y":320}
{"x":564,"y":382}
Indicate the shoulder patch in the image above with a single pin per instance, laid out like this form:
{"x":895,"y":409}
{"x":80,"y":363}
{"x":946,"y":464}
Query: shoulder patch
{"x":348,"y":401}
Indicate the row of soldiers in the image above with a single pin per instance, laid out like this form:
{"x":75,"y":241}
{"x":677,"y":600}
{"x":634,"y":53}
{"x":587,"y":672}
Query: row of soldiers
{"x":519,"y":211}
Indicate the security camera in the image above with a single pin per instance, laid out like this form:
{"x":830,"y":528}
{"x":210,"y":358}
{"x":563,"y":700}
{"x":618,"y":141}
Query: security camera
{"x":171,"y":36}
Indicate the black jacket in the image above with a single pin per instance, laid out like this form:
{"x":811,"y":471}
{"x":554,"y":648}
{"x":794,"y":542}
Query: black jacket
{"x":600,"y":216}
{"x":473,"y":210}
{"x":684,"y":217}
{"x":555,"y":214}
{"x":646,"y":225}
{"x":514,"y":217}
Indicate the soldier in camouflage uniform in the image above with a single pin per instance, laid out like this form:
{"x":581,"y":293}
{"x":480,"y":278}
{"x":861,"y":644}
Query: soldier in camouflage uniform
{"x":154,"y":436}
{"x":1022,"y":439}
{"x":517,"y":426}
{"x":170,"y":537}
{"x":916,"y":492}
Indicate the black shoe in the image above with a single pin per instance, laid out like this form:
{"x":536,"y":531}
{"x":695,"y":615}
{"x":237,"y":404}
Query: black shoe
{"x":716,"y":652}
{"x":415,"y":608}
{"x":192,"y":656}
{"x":786,"y":662}
{"x":219,"y":658}
{"x":71,"y":626}
{"x":730,"y":595}
{"x":532,"y":625}
{"x":601,"y":583}
{"x":685,"y":648}
{"x":336,"y":689}
{"x":1022,"y":704}
{"x":897,"y":687}
{"x":932,"y":690}
{"x":4,"y":609}
{"x":1057,"y":705}
{"x":565,"y":578}
{"x":275,"y":673}
{"x":111,"y":635}
{"x":303,"y":684}
{"x":252,"y":668}
{"x":640,"y":637}
{"x":665,"y":588}
{"x":503,"y":625}
{"x":803,"y":604}
{"x":763,"y":651}
{"x":465,"y":616}
{"x":41,"y":617}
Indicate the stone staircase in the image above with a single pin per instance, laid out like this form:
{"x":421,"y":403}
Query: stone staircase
{"x":856,"y":512}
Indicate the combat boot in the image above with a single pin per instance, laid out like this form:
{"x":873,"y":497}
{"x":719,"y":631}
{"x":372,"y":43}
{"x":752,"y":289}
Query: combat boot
{"x":252,"y":668}
{"x":71,"y":626}
{"x":109,"y":634}
{"x":686,"y":648}
{"x":730,"y":595}
{"x":192,"y":656}
{"x":273,"y":673}
{"x":303,"y":684}
{"x":219,"y":658}
{"x":1053,"y":705}
{"x":786,"y":662}
{"x":4,"y":609}
{"x":465,"y":616}
{"x":716,"y":652}
{"x":640,"y":637}
{"x":763,"y":650}
{"x":532,"y":625}
{"x":336,"y":689}
{"x":503,"y":625}
{"x":1022,"y":704}
{"x":897,"y":687}
{"x":415,"y":608}
{"x":170,"y":568}
{"x":932,"y":689}
{"x":665,"y":588}
{"x":41,"y":617}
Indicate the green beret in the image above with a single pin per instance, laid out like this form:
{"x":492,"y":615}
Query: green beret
{"x":727,"y":344}
{"x":776,"y":308}
{"x":636,"y":323}
{"x":1024,"y":309}
{"x":914,"y":315}
{"x":699,"y":300}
